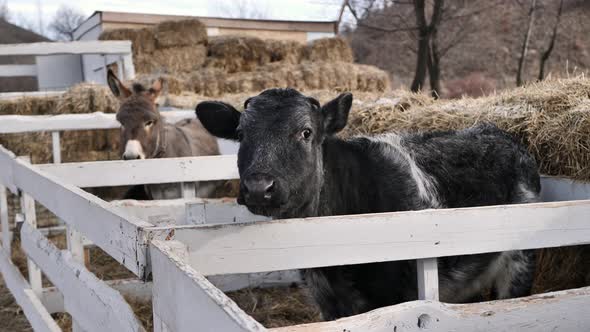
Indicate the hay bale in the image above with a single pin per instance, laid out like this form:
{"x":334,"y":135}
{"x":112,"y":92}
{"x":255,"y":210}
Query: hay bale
{"x":180,"y":33}
{"x":237,"y":54}
{"x":28,"y":105}
{"x":142,"y":40}
{"x":86,"y":98}
{"x":329,"y":49}
{"x":172,"y":60}
{"x":285,"y":51}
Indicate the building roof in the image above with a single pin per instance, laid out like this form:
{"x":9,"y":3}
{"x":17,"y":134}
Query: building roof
{"x":13,"y":34}
{"x":210,"y":22}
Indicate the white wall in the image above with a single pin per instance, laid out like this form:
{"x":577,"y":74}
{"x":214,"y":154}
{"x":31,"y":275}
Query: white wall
{"x":317,"y":35}
{"x":59,"y":72}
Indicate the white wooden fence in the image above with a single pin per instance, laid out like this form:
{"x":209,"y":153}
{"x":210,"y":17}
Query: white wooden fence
{"x":172,"y":242}
{"x":51,"y":77}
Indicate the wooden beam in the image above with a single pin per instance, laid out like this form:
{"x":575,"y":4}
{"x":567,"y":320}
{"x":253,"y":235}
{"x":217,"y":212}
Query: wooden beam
{"x":427,"y":279}
{"x":75,"y":47}
{"x":4,"y":222}
{"x":219,"y":211}
{"x":36,"y":314}
{"x":91,"y":302}
{"x":184,"y":300}
{"x":145,"y":171}
{"x":18,"y":70}
{"x":119,"y":235}
{"x":11,"y":124}
{"x":557,"y":311}
{"x":6,"y":160}
{"x":295,"y":244}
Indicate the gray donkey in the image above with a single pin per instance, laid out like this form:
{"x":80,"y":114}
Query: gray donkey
{"x":145,"y":134}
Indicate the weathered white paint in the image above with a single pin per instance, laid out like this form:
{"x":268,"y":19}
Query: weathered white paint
{"x":554,"y":189}
{"x":294,"y":244}
{"x":28,"y":210}
{"x":130,"y":288}
{"x":56,"y":147}
{"x":119,"y":235}
{"x":91,"y":302}
{"x":76,"y":47}
{"x":10,"y":124}
{"x":557,"y":311}
{"x":223,"y":211}
{"x":178,"y":290}
{"x":6,"y":231}
{"x":233,"y":282}
{"x":18,"y":95}
{"x":6,"y":160}
{"x":427,"y":270}
{"x":188,"y":190}
{"x":75,"y":243}
{"x":32,"y":307}
{"x":18,"y":70}
{"x":146,"y":171}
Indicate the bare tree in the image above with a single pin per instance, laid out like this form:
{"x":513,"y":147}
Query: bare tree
{"x":65,"y":21}
{"x":525,"y":43}
{"x":4,"y":11}
{"x":242,"y":9}
{"x":547,"y":53}
{"x":391,"y":17}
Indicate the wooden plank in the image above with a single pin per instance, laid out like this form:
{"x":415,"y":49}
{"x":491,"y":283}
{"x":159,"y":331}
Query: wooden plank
{"x":6,"y":163}
{"x":184,"y":300}
{"x":55,"y":147}
{"x":215,"y":212}
{"x":145,"y":171}
{"x":36,"y":314}
{"x":28,"y":210}
{"x":188,"y":190}
{"x":76,"y":47}
{"x":427,"y":270}
{"x":157,"y":212}
{"x":18,"y":70}
{"x":6,"y":231}
{"x":91,"y":302}
{"x":10,"y":124}
{"x":23,"y":94}
{"x":557,"y":311}
{"x":119,"y":235}
{"x":295,"y":244}
{"x":556,"y":189}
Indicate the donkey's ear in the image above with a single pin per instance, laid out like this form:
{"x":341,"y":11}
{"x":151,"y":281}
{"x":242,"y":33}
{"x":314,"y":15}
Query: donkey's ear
{"x":219,"y":118}
{"x":117,"y":88}
{"x":156,"y":88}
{"x":335,"y":113}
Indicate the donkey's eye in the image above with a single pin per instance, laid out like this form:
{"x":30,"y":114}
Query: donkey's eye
{"x":149,"y":123}
{"x":306,"y":134}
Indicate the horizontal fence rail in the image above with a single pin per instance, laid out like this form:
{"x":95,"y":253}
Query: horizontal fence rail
{"x":355,"y":239}
{"x":11,"y":124}
{"x":59,"y":48}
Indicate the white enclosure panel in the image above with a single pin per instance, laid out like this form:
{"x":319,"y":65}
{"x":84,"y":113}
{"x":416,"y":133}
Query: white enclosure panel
{"x":184,"y":300}
{"x":145,"y":171}
{"x":10,"y":124}
{"x":77,"y":47}
{"x":91,"y":302}
{"x":121,"y":236}
{"x":129,"y":288}
{"x":36,"y":314}
{"x":223,"y":211}
{"x":558,"y":311}
{"x":157,"y":212}
{"x":340,"y":240}
{"x":233,"y":282}
{"x":555,"y":189}
{"x":6,"y":160}
{"x":57,"y":72}
{"x":18,"y":70}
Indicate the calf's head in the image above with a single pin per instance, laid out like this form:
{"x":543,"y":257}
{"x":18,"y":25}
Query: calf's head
{"x":281,"y":135}
{"x":140,"y":120}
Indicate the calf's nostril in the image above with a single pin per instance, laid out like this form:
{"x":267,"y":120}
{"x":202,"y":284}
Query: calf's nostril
{"x":269,"y":190}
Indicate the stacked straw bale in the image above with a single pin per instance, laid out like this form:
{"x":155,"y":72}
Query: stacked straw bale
{"x":168,"y":47}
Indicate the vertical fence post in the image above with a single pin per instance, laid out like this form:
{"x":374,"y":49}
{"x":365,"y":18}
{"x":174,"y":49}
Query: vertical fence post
{"x":188,"y":190}
{"x":28,"y":209}
{"x":427,"y":279}
{"x":6,"y":232}
{"x":56,"y":147}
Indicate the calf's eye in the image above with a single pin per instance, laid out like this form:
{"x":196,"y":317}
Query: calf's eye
{"x":306,"y":134}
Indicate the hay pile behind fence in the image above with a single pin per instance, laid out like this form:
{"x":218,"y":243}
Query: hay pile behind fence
{"x":168,"y":47}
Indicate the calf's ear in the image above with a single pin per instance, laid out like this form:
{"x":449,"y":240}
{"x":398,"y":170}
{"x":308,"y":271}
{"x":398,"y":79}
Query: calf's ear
{"x":335,"y":113}
{"x":219,"y":118}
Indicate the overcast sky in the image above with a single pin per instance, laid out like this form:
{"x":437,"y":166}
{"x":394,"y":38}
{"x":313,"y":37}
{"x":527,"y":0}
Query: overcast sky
{"x":271,"y":9}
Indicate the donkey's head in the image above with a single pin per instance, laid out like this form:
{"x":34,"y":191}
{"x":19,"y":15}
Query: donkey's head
{"x":141,"y":123}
